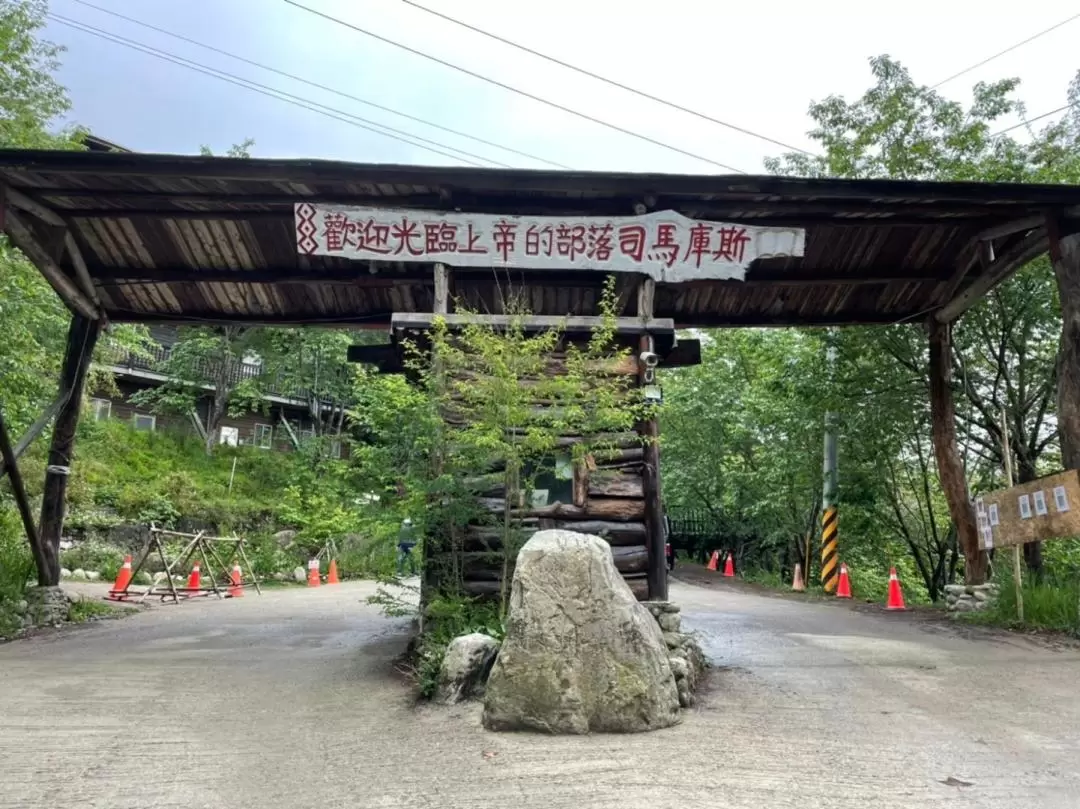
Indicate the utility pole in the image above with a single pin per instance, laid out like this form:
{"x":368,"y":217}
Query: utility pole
{"x":830,"y":566}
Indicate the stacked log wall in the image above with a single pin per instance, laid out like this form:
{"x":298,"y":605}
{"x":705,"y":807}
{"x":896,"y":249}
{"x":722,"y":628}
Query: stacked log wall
{"x":608,"y":501}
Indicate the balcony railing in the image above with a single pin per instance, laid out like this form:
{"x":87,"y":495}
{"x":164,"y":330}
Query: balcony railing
{"x":155,"y":359}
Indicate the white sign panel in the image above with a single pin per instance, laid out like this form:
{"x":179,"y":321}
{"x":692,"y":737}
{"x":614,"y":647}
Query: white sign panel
{"x":664,"y":245}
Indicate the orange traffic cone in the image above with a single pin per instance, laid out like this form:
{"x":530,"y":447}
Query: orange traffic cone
{"x":729,"y":567}
{"x":236,"y":587}
{"x":195,"y":579}
{"x":714,"y":561}
{"x":896,"y":598}
{"x":843,"y":589}
{"x":331,"y":577}
{"x":797,"y":583}
{"x":123,"y":579}
{"x":313,"y":573}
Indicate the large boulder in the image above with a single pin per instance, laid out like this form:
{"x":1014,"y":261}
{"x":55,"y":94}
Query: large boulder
{"x":465,"y":666}
{"x":580,"y":654}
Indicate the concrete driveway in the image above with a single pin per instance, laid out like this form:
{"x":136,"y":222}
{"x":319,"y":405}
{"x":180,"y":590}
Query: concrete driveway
{"x":291,"y":700}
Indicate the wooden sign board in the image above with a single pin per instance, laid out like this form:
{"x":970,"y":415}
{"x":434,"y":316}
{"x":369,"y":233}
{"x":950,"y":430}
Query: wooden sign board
{"x":1047,"y":508}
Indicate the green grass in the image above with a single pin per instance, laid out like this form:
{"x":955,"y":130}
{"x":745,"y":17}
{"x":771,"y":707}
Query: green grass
{"x":85,"y":609}
{"x":1048,"y":605}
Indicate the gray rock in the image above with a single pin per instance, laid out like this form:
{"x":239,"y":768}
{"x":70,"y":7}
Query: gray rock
{"x":65,"y":573}
{"x":674,"y":640}
{"x":581,"y":654}
{"x":46,"y":605}
{"x":299,"y":574}
{"x":93,"y":575}
{"x":679,"y":667}
{"x":285,"y":538}
{"x":955,"y":589}
{"x":660,"y":607}
{"x":279,"y":576}
{"x":686,"y":696}
{"x":160,"y":576}
{"x":466,"y":666}
{"x":669,"y":621}
{"x":78,"y":574}
{"x":21,"y":607}
{"x":982,"y":595}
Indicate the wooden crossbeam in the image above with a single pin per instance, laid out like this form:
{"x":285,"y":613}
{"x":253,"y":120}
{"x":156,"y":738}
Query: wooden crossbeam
{"x":1030,"y":247}
{"x":23,"y":237}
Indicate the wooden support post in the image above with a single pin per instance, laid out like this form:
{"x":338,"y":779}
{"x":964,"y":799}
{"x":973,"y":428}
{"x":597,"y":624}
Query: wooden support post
{"x":1006,"y":454}
{"x":646,"y":298}
{"x":654,"y":507}
{"x":82,"y":337}
{"x":7,"y":452}
{"x":442,"y":289}
{"x":1065,"y":256}
{"x":947,"y":454}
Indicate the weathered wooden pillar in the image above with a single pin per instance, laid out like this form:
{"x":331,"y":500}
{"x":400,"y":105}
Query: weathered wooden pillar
{"x":82,"y":337}
{"x":654,"y":507}
{"x":1065,"y":256}
{"x":947,"y":453}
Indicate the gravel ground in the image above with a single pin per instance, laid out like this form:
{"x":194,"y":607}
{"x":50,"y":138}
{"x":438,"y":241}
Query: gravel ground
{"x":291,"y":700}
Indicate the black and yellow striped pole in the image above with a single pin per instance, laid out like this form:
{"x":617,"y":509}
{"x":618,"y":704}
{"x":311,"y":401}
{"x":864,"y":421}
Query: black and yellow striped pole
{"x":830,"y":563}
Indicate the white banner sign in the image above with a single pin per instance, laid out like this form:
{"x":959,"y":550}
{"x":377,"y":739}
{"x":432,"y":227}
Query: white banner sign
{"x":665,"y":245}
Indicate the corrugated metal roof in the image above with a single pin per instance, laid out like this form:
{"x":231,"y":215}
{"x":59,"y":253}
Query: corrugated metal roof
{"x":188,"y":238}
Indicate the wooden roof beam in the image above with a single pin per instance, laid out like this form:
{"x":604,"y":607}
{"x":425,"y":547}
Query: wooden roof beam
{"x":1030,"y":247}
{"x":22,"y":236}
{"x":50,"y":217}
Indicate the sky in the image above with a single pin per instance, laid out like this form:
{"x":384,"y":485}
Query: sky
{"x":755,"y":65}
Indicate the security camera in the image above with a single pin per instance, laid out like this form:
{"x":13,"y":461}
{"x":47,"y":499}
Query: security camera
{"x":648,"y":359}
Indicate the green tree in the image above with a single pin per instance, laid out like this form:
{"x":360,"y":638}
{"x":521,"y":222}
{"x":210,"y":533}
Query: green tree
{"x":1005,"y":347}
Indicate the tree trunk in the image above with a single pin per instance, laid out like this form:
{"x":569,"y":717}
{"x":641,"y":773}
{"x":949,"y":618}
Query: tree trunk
{"x":1065,"y":255}
{"x":82,"y":337}
{"x":950,"y":468}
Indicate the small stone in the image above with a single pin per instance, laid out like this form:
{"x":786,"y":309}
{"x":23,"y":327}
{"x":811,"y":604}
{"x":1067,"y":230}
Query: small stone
{"x":679,"y":667}
{"x":466,"y":666}
{"x":686,"y":696}
{"x":78,"y":574}
{"x":674,"y":639}
{"x":669,"y":622}
{"x":21,"y":607}
{"x":299,"y":574}
{"x":982,"y":595}
{"x":159,"y":577}
{"x":65,"y":573}
{"x":279,"y":576}
{"x":93,"y":575}
{"x":285,"y":538}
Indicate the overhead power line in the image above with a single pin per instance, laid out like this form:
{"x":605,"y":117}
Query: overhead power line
{"x":512,"y":89}
{"x":1009,"y":49}
{"x":327,"y":88}
{"x":641,"y":93}
{"x":330,"y":112}
{"x":1027,"y":121}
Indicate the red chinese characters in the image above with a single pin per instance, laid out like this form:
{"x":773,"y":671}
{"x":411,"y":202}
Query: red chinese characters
{"x":505,"y":238}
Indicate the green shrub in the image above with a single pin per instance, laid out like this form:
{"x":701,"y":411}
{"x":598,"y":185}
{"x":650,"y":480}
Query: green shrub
{"x":1052,"y":604}
{"x":16,"y":561}
{"x":94,"y":555}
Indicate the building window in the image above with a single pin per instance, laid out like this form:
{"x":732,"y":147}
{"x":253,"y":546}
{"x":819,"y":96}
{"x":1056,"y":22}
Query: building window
{"x":144,"y":421}
{"x":306,"y":435}
{"x":264,"y":436}
{"x":335,"y":448}
{"x":229,"y":435}
{"x":102,"y":409}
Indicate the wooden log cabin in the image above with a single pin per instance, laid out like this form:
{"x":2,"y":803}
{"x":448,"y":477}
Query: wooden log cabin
{"x":180,"y":239}
{"x":613,"y":492}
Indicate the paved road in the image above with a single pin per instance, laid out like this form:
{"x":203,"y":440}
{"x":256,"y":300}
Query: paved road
{"x":291,"y":701}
